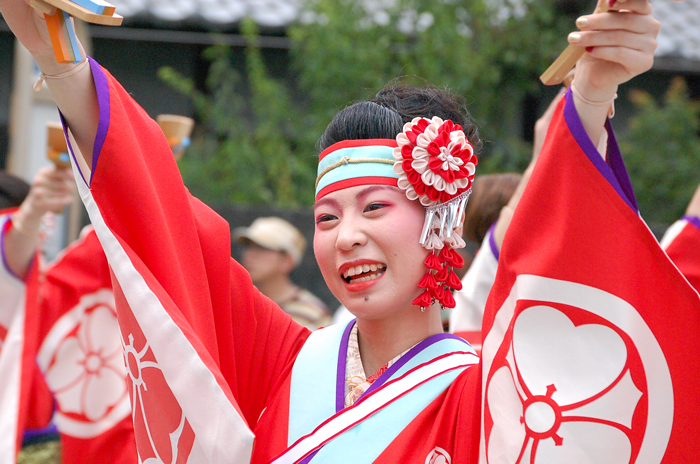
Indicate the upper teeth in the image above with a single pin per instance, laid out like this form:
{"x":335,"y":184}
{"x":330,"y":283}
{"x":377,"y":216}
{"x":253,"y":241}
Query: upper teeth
{"x":355,"y":270}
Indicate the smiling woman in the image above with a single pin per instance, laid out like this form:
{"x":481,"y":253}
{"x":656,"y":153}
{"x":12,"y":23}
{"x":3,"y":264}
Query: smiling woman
{"x":370,"y":211}
{"x":217,"y":359}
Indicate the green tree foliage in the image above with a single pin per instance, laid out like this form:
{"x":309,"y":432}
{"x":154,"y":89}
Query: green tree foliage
{"x":662,"y":152}
{"x":260,"y":149}
{"x":246,"y":150}
{"x":490,"y":52}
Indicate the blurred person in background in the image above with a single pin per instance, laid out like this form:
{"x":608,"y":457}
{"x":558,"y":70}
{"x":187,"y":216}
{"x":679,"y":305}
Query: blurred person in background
{"x":273,"y":248}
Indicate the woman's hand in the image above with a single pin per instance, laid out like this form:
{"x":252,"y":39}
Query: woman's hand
{"x":74,"y":94}
{"x":52,"y":189}
{"x":29,"y":27}
{"x":619,"y":44}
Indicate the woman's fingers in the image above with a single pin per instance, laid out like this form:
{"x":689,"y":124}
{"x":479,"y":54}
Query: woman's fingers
{"x":52,"y":189}
{"x":624,"y":36}
{"x":633,"y":61}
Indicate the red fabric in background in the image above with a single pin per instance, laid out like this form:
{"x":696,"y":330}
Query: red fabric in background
{"x":684,"y":251}
{"x":79,"y":279}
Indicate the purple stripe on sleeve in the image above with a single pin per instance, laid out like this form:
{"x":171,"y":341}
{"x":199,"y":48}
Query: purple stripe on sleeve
{"x":70,"y":147}
{"x":615,"y":173}
{"x":617,"y":165}
{"x":407,"y":357}
{"x":342,"y":362}
{"x":492,"y":242}
{"x":102,"y":89}
{"x":694,"y":220}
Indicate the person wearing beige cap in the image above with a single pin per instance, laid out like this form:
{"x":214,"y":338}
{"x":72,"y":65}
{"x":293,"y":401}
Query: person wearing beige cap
{"x":273,"y":248}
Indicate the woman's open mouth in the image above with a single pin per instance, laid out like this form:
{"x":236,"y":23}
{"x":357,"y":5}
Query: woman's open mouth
{"x":363,"y":273}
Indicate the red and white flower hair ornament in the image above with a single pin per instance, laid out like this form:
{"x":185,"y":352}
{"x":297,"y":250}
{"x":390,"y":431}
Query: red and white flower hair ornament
{"x":436,"y":165}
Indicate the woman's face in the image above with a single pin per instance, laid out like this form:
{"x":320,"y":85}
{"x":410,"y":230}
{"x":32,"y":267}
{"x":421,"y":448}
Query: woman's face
{"x":366,"y":244}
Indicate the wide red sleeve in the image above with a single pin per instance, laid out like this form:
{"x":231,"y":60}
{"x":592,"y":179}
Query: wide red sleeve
{"x":201,"y":342}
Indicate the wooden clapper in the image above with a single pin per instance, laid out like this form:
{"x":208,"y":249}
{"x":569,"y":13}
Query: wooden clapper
{"x":57,"y":14}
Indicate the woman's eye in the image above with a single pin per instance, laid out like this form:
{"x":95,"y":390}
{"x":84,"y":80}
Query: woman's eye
{"x":324,"y":218}
{"x":374,"y":207}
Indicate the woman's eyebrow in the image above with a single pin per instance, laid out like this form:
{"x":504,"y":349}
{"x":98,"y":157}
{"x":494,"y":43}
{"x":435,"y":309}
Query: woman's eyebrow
{"x":373,"y":188}
{"x":327,"y":201}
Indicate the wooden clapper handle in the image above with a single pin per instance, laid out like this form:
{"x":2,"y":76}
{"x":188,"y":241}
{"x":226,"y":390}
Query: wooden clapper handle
{"x":557,"y":71}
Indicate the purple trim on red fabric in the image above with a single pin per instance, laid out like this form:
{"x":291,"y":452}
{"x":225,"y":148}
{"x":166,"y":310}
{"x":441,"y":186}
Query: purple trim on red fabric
{"x":342,"y":364}
{"x":617,"y":165}
{"x":694,"y":220}
{"x":407,"y":357}
{"x":308,"y":458}
{"x":614,"y":158}
{"x":492,"y":242}
{"x":70,"y":146}
{"x":102,"y":89}
{"x":50,"y":432}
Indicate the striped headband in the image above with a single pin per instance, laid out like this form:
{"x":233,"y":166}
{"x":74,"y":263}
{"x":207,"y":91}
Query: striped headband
{"x":356,"y":162}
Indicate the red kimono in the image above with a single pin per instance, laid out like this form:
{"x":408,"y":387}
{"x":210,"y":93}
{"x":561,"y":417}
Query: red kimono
{"x":210,"y":359}
{"x":72,"y":368}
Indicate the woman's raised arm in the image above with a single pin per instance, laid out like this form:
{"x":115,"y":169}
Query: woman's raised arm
{"x":74,"y":92}
{"x":620,"y":45}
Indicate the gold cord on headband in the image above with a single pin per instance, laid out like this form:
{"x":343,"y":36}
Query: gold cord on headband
{"x":348,"y":160}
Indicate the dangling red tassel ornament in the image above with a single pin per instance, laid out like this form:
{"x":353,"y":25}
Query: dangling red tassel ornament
{"x":428,"y":281}
{"x":424,"y":300}
{"x":432,"y":262}
{"x":448,"y":300}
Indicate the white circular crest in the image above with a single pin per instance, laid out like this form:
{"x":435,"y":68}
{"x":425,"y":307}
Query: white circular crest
{"x":546,"y":387}
{"x":82,"y":362}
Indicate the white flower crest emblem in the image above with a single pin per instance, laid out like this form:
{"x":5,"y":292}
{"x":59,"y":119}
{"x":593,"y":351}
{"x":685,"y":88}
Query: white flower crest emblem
{"x":84,"y":368}
{"x":567,"y":385}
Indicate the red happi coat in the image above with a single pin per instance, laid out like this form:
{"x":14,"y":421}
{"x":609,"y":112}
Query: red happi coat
{"x":80,"y":356}
{"x":209,"y":358}
{"x":73,"y":357}
{"x":75,"y":360}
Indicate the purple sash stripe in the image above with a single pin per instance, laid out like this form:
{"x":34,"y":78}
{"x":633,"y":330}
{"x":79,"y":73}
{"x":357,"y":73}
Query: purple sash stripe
{"x":492,"y":242}
{"x":407,"y":357}
{"x":342,"y":365}
{"x":615,"y":172}
{"x":694,"y":220}
{"x":308,"y":458}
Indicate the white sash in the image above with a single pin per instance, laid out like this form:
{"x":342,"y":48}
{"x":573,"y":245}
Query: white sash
{"x":436,"y":375}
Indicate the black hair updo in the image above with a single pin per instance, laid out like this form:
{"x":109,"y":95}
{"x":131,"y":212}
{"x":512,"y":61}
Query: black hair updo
{"x":384,"y":116}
